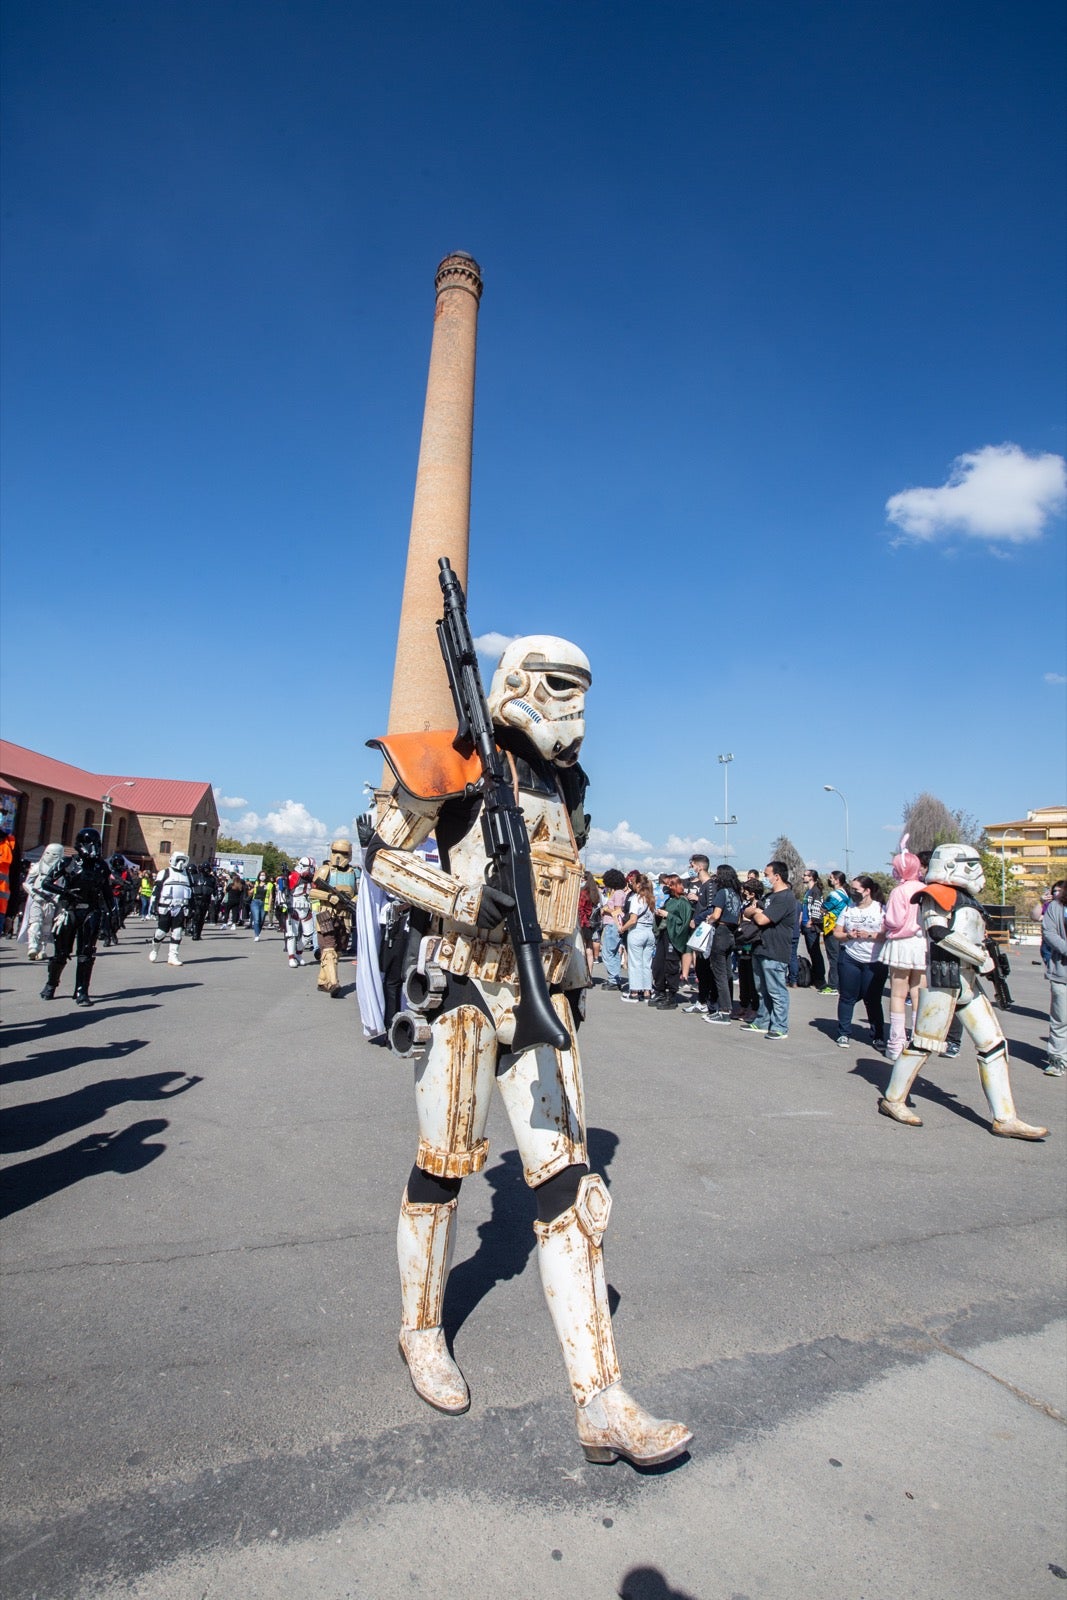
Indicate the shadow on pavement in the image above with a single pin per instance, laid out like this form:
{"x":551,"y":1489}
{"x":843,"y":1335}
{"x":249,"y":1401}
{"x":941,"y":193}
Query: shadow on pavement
{"x":125,"y":1152}
{"x":648,"y":1583}
{"x":506,"y":1240}
{"x":27,"y":1126}
{"x":877,"y":1073}
{"x":52,"y":1022}
{"x":44,"y":1062}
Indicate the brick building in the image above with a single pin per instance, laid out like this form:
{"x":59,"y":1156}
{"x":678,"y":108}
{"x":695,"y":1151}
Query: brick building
{"x":145,"y":818}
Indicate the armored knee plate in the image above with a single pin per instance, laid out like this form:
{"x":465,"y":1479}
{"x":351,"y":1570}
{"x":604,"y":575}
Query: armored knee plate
{"x":572,"y":1275}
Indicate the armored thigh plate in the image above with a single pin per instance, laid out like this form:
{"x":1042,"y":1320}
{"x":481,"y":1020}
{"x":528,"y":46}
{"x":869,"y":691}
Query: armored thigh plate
{"x":453,"y":1087}
{"x":936,"y":1010}
{"x":542,"y":1094}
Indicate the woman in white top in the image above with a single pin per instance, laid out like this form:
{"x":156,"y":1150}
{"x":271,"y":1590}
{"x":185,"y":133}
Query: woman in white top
{"x":639,"y":929}
{"x":861,"y":972}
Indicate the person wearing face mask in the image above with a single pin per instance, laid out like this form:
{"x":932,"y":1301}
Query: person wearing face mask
{"x":262,"y":895}
{"x":861,"y":972}
{"x":776,"y":919}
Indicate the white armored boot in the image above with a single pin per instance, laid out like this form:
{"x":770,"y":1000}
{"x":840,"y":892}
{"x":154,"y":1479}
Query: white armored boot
{"x":610,"y":1422}
{"x":153,"y":954}
{"x":993,"y":1070}
{"x":894,"y":1103}
{"x":424,"y":1241}
{"x":173,"y":958}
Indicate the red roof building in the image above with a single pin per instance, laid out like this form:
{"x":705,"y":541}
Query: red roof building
{"x":143,"y":817}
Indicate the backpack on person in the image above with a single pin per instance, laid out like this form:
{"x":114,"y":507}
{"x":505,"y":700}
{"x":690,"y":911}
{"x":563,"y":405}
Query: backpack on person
{"x":803,"y":973}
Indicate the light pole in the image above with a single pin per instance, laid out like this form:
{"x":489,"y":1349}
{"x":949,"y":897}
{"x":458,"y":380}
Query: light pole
{"x":105,"y":805}
{"x":848,"y":853}
{"x":726,"y":821}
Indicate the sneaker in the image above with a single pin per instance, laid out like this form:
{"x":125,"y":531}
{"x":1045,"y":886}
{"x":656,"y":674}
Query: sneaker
{"x":695,"y":1005}
{"x":752,"y":1027}
{"x":719,"y":1017}
{"x":952,"y":1049}
{"x":628,"y":998}
{"x":772,"y":1035}
{"x":1055,"y":1069}
{"x":257,"y":938}
{"x":292,"y":961}
{"x":879,"y":1045}
{"x":843,"y":1040}
{"x":828,"y":990}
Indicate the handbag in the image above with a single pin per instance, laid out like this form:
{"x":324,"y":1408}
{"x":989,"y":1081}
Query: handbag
{"x":700,"y":938}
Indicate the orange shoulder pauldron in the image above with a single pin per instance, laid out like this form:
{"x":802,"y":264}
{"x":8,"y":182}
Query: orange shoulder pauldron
{"x":942,"y":894}
{"x":427,"y":765}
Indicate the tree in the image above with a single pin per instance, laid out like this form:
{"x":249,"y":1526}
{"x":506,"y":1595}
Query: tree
{"x":274,"y":859}
{"x":783,"y":849}
{"x":928,"y":822}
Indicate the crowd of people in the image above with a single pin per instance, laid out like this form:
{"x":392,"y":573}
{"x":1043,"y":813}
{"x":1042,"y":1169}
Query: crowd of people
{"x":729,"y":949}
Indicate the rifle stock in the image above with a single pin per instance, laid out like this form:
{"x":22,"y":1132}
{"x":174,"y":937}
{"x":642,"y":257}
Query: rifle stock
{"x":503,"y":824}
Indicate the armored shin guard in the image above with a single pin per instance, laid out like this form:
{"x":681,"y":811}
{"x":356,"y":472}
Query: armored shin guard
{"x":610,"y":1423}
{"x":424,"y":1242}
{"x":894,"y":1103}
{"x":328,"y":971}
{"x":82,"y":974}
{"x":996,"y":1085}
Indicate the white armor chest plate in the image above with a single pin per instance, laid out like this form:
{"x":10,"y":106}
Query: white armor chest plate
{"x":557,"y":872}
{"x":175,"y":889}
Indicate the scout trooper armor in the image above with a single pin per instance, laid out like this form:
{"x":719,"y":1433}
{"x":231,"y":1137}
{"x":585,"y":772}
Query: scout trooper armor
{"x":300,"y":923}
{"x":172,"y":897}
{"x":463,"y":995}
{"x":333,"y":893}
{"x":955,"y":926}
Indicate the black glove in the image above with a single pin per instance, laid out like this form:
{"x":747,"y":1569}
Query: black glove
{"x":493,"y":906}
{"x":365,"y":829}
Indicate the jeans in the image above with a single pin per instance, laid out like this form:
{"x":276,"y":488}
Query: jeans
{"x":257,"y":917}
{"x":858,"y":980}
{"x":1057,"y":1019}
{"x":706,"y":991}
{"x":640,"y":944}
{"x":720,"y":972}
{"x":609,"y":951}
{"x":773,"y":1013}
{"x":833,"y":951}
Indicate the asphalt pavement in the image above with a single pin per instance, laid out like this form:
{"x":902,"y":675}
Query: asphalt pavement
{"x":202,"y":1395}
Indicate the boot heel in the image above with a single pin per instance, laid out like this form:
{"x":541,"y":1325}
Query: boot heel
{"x":600,"y":1453}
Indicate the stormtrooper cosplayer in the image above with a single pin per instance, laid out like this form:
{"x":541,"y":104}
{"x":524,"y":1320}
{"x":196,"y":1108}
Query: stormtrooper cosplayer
{"x":300,"y":922}
{"x":81,"y":887}
{"x":954,"y":923}
{"x":171,"y":898}
{"x":40,"y":907}
{"x":333,"y":893}
{"x":465,"y":983}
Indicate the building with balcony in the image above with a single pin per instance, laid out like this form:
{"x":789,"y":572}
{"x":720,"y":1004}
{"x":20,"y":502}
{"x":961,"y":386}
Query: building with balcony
{"x":146,"y":819}
{"x":1034,"y":850}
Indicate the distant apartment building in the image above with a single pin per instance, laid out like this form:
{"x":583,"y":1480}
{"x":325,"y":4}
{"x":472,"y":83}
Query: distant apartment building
{"x":147,"y":819}
{"x":1034,"y":850}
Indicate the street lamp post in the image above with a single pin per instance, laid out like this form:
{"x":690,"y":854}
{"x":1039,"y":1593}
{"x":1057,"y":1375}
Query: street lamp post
{"x":726,"y":821}
{"x":848,"y":852}
{"x":105,"y":805}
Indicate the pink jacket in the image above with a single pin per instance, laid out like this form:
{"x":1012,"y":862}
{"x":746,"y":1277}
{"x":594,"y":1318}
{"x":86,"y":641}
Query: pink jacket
{"x":901,"y":912}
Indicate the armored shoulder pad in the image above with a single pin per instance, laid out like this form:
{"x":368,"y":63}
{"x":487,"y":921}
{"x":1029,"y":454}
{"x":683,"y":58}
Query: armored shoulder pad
{"x":428,"y":765}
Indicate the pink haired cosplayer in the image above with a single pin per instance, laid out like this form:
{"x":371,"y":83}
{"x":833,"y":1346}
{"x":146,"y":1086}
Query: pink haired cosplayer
{"x":905,"y":946}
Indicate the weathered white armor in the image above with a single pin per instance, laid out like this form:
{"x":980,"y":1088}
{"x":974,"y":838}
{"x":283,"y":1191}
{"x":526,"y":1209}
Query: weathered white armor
{"x":40,"y":912}
{"x":955,"y":929}
{"x":174,"y":894}
{"x":464,"y":1035}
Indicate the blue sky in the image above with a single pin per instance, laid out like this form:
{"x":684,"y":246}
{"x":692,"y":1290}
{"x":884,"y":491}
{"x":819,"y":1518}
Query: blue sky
{"x":753,"y":274}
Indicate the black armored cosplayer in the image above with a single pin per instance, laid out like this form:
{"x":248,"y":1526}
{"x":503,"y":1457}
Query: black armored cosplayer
{"x":81,"y":884}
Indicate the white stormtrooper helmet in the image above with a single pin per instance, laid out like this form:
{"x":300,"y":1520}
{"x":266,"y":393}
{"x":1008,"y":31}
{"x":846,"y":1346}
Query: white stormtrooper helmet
{"x":539,"y":687}
{"x":959,"y":865}
{"x":179,"y":862}
{"x":50,"y":856}
{"x":305,"y":866}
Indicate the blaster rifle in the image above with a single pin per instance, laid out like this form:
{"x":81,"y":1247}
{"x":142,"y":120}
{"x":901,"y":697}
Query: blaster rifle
{"x":327,"y":889}
{"x":507,"y":843}
{"x":998,"y":978}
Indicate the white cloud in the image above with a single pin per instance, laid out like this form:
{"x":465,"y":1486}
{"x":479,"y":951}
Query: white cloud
{"x":998,"y":493}
{"x":494,"y":644}
{"x":229,"y":802}
{"x":1055,"y":677}
{"x":622,"y":846}
{"x":291,"y":826}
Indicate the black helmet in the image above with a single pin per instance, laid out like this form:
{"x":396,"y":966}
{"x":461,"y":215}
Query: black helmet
{"x":87,"y":844}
